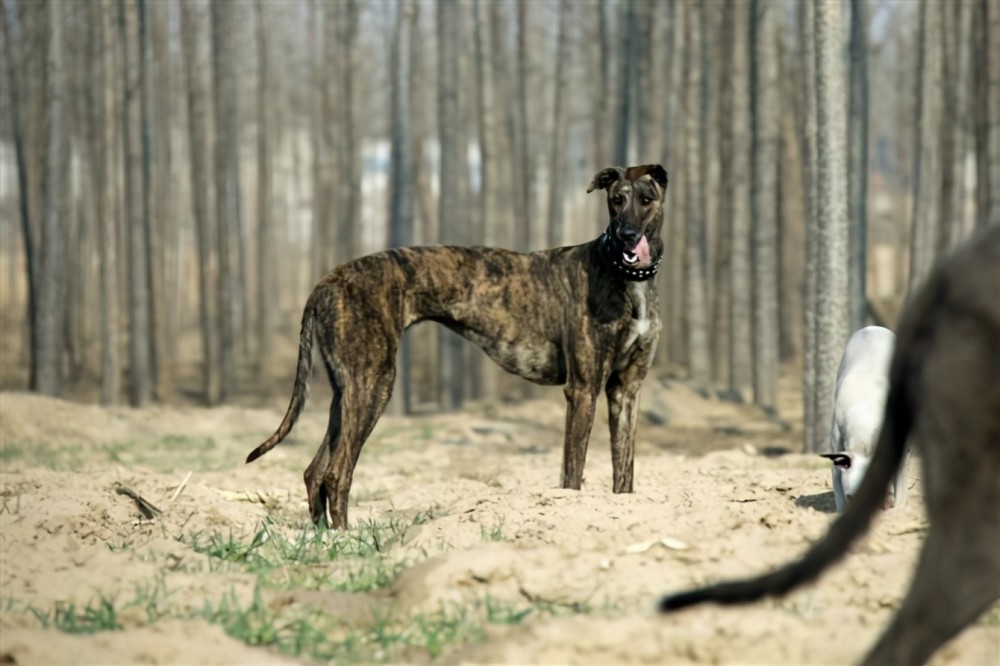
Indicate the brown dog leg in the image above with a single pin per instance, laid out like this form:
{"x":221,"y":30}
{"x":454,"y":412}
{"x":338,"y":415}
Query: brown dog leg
{"x":623,"y":412}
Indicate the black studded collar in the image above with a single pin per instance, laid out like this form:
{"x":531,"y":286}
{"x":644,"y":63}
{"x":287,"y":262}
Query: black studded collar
{"x":611,"y":251}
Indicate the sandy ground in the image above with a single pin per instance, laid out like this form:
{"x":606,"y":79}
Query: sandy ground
{"x":717,"y":494}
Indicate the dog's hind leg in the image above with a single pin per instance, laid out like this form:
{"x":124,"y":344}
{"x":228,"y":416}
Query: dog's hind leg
{"x":362,"y":405}
{"x":316,"y":490}
{"x":942,"y":600}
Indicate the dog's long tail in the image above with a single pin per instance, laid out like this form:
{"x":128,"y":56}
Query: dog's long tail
{"x":851,"y":524}
{"x":301,"y":388}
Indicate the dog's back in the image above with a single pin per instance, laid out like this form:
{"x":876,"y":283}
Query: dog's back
{"x":945,"y":391}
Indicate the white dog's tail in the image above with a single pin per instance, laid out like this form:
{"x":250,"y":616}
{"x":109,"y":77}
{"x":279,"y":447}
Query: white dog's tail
{"x":844,"y":531}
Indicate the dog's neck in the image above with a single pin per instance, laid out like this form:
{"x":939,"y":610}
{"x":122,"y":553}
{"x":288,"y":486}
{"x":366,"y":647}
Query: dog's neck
{"x":611,"y":250}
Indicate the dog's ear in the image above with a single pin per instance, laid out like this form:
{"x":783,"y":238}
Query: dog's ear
{"x":657,"y":172}
{"x":605,"y":178}
{"x":841,"y":460}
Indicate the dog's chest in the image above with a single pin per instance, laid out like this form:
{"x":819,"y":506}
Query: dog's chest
{"x":640,"y":326}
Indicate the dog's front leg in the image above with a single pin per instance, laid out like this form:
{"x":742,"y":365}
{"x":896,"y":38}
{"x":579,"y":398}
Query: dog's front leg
{"x":581,"y":400}
{"x":622,"y":391}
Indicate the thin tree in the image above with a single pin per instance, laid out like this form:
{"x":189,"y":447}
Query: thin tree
{"x":453,"y":171}
{"x":992,"y":216}
{"x":858,"y":160}
{"x":152,"y":226}
{"x":955,"y":226}
{"x":764,"y":200}
{"x":626,"y":71}
{"x":980,"y":65}
{"x":15,"y":102}
{"x":486,"y":374}
{"x":927,"y":168}
{"x":139,"y":388}
{"x":51,"y":293}
{"x":806,"y":113}
{"x":738,"y":194}
{"x":224,"y":63}
{"x":348,"y":186}
{"x":401,"y":199}
{"x":560,"y":129}
{"x":831,"y":209}
{"x":195,"y":43}
{"x":321,"y":133}
{"x":699,"y":360}
{"x":100,"y":119}
{"x":266,"y":254}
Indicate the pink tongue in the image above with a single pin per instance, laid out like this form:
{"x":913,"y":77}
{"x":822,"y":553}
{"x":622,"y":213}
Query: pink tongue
{"x":641,"y":250}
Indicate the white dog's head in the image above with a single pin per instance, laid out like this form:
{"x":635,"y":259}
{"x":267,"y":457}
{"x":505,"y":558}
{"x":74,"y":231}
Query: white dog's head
{"x":859,"y":433}
{"x":852,"y":468}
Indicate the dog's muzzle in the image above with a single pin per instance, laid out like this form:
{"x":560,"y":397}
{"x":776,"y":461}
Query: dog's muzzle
{"x":625,"y":261}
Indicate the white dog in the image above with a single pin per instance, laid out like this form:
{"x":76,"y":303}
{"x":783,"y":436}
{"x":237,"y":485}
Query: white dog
{"x":859,"y":402}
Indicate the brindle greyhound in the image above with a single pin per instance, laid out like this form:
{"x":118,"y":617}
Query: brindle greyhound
{"x":944,"y":393}
{"x":585,"y":317}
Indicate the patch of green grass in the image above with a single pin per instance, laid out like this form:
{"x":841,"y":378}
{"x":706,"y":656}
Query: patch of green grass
{"x":493,"y":533}
{"x":99,"y":615}
{"x":356,"y":557}
{"x":301,"y":631}
{"x":9,"y":453}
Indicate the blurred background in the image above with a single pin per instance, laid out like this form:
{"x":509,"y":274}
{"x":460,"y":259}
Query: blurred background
{"x":175,"y":175}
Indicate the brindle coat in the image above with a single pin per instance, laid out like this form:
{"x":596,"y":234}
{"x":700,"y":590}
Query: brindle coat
{"x":945,"y":395}
{"x":577,"y":316}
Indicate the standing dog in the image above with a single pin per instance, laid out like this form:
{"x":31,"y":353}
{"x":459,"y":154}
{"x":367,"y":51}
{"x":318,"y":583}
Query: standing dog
{"x":944,"y":393}
{"x":585,"y":317}
{"x":858,"y":404}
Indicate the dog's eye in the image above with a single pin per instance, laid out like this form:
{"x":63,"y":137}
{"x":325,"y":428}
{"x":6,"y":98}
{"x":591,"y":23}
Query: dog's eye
{"x":646,"y":201}
{"x":618,"y":199}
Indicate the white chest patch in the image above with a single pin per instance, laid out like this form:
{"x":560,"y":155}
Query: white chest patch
{"x":640,"y":323}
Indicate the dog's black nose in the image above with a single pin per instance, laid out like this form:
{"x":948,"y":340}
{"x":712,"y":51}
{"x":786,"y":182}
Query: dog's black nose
{"x":629,"y":236}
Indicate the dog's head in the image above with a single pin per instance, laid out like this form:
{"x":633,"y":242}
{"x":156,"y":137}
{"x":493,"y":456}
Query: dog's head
{"x":635,"y":205}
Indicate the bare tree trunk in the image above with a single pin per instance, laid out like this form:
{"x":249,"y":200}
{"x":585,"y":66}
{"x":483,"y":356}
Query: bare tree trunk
{"x":166,"y":226}
{"x":559,"y":132}
{"x":224,"y":64}
{"x":486,"y":372}
{"x":100,"y":118}
{"x":401,"y":199}
{"x":927,"y":169}
{"x":321,"y":131}
{"x":946,"y":128}
{"x":858,"y":183}
{"x":699,"y":361}
{"x":138,"y":286}
{"x":831,"y":209}
{"x":524,"y":170}
{"x":152,"y":226}
{"x":672,"y":280}
{"x":51,"y":293}
{"x":741,"y":313}
{"x":764,"y":201}
{"x":266,"y":254}
{"x":957,"y":225}
{"x":807,"y":142}
{"x":454,"y":171}
{"x":599,"y":94}
{"x":14,"y":99}
{"x":981,"y":107}
{"x":195,"y":38}
{"x":993,"y":39}
{"x":348,"y":187}
{"x":625,"y":73}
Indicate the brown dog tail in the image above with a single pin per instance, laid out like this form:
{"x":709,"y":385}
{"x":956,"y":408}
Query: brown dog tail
{"x":299,"y":391}
{"x":844,"y":531}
